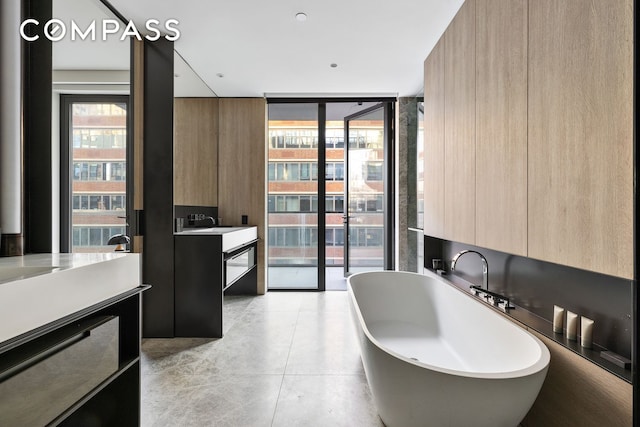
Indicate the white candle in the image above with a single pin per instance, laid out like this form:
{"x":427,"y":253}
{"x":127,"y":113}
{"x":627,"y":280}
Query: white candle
{"x":586,"y":332}
{"x":558,"y":319}
{"x":572,"y":326}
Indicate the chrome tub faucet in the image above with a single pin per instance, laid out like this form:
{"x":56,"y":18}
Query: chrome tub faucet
{"x":497,"y":300}
{"x":485,"y":266}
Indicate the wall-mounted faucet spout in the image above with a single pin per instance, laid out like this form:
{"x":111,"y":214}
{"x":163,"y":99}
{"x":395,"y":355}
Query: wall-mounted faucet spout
{"x":485,"y":266}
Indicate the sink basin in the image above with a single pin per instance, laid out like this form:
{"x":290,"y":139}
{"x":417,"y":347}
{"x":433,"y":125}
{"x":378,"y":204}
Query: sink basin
{"x":232,"y":237}
{"x":17,"y":273}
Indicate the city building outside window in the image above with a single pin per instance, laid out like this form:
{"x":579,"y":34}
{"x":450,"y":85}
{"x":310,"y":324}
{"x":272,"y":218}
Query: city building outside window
{"x":95,"y":142}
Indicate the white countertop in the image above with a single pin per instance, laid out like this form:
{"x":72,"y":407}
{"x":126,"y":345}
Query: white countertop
{"x":41,"y":288}
{"x":22,"y":265}
{"x":232,"y":237}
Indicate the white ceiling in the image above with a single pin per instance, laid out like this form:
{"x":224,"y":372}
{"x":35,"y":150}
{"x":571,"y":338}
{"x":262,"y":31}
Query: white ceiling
{"x":260,"y":48}
{"x":98,"y":66}
{"x":87,"y":54}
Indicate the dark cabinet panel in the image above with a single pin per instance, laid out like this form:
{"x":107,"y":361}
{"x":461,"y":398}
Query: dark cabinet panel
{"x":198,"y":282}
{"x":78,"y":371}
{"x":203,"y":274}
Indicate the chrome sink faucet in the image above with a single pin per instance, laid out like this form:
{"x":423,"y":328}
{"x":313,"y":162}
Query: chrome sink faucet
{"x":485,"y":266}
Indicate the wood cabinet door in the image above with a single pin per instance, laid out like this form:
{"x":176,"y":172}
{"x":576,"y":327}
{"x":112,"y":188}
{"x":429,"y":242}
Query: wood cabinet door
{"x":580,"y":134}
{"x":242,"y":160}
{"x":501,"y":125}
{"x":434,"y":142}
{"x":195,"y":150}
{"x":459,"y":126}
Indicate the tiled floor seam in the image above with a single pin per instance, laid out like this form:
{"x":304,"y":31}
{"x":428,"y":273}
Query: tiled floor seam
{"x":275,"y":409}
{"x":326,"y":374}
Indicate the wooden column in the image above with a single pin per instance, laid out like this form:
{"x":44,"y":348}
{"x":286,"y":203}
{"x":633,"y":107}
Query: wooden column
{"x":137,"y":153}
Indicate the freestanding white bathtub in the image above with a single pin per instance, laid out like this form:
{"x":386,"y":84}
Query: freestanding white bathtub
{"x":436,"y":357}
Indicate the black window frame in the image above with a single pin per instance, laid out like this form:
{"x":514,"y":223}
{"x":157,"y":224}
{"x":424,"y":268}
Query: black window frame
{"x":66,"y":150}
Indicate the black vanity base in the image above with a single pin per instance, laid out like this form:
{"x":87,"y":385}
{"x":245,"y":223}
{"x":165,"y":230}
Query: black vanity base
{"x":81,"y":370}
{"x":200,"y":284}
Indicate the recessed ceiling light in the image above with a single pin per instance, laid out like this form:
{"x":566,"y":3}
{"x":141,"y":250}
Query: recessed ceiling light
{"x":301,"y":17}
{"x":334,"y":65}
{"x":220,"y":75}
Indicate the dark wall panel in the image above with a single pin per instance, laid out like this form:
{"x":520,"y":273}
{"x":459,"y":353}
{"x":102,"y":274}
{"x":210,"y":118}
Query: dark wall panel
{"x":157,"y":258}
{"x":37,"y":86}
{"x":183,"y":211}
{"x":536,"y":286}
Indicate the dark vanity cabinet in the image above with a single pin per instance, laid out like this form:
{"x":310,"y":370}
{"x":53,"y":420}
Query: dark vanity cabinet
{"x":83,"y":370}
{"x":204,"y":272}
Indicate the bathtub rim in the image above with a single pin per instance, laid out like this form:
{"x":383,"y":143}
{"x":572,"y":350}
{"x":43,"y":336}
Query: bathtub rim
{"x":541,"y":364}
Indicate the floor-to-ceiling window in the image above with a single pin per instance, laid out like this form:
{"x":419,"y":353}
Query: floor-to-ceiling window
{"x":94,"y":163}
{"x":292,"y":200}
{"x":307,"y":212}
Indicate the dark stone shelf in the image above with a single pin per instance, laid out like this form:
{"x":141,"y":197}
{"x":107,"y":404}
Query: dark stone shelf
{"x":545,"y":327}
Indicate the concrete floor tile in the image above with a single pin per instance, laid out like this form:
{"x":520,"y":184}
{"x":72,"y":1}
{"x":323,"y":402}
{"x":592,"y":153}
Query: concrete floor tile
{"x":325,"y":400}
{"x":326,"y":302}
{"x":324,"y":343}
{"x":278,"y":301}
{"x":287,"y":359}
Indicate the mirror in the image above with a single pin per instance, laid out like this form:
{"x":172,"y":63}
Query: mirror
{"x":89,"y":126}
{"x":195,"y":141}
{"x":89,"y":130}
{"x":91,"y":65}
{"x":186,"y":82}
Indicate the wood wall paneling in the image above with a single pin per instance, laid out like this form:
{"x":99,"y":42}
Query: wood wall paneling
{"x":577,"y":393}
{"x":137,"y":244}
{"x":138,"y":124}
{"x":580,"y":136}
{"x":563,"y":72}
{"x":460,"y":123}
{"x":196,"y":151}
{"x":501,"y":125}
{"x":242,"y":157}
{"x":434,"y":142}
